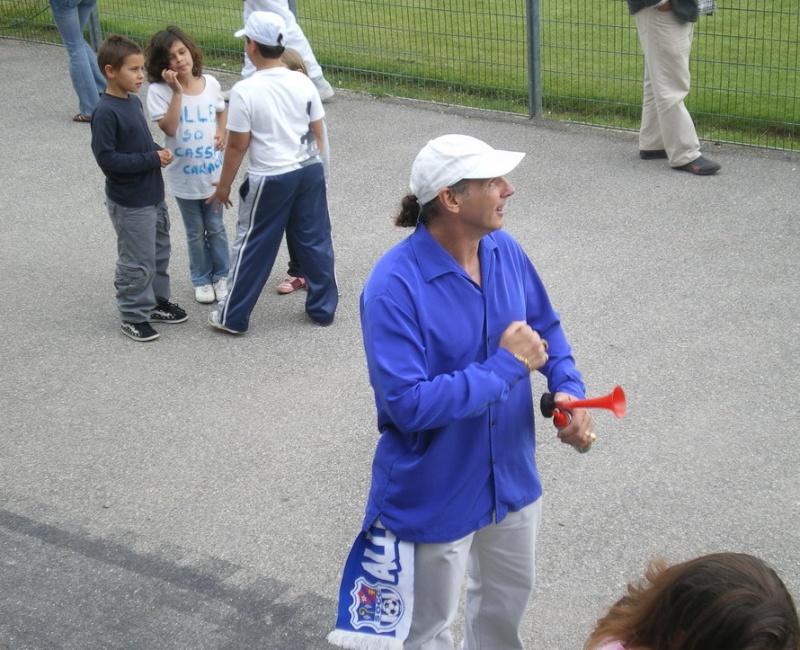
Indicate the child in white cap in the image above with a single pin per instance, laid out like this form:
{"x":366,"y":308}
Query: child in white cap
{"x":276,"y":116}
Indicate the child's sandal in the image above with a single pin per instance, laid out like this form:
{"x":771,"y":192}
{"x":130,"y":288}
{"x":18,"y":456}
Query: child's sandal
{"x":81,"y":118}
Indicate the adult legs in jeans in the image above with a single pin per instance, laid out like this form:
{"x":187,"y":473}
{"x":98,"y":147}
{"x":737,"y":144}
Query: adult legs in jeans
{"x":666,"y":122}
{"x":207,"y":241}
{"x":71,"y":17}
{"x":500,"y":561}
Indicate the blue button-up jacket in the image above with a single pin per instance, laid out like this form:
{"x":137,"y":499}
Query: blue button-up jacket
{"x":455,"y":411}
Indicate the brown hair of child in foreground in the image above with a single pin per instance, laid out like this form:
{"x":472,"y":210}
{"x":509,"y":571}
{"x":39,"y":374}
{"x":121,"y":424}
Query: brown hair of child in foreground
{"x":723,"y":601}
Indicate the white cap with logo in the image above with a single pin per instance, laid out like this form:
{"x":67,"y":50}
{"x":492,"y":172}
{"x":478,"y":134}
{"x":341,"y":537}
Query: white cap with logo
{"x":264,"y":27}
{"x":450,"y":158}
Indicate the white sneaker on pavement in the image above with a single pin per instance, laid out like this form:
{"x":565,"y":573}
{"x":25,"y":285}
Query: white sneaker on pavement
{"x":204,"y":294}
{"x":221,"y":288}
{"x":213,"y":320}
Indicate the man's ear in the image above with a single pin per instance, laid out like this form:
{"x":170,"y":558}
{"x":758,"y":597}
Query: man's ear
{"x":449,"y":199}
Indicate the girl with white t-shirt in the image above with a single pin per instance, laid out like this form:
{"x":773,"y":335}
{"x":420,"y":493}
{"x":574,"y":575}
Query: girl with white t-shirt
{"x":189,"y":108}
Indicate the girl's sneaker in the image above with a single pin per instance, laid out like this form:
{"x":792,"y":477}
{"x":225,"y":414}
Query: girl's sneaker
{"x":205,"y":294}
{"x":221,"y":288}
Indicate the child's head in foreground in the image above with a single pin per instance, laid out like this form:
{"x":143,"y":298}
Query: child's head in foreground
{"x":723,"y":601}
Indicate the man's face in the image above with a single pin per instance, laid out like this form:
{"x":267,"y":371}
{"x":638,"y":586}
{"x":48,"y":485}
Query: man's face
{"x":482,"y":205}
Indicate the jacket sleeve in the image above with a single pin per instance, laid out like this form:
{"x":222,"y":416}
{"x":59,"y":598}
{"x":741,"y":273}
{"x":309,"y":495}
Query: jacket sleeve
{"x":400,"y":374}
{"x":560,"y":370}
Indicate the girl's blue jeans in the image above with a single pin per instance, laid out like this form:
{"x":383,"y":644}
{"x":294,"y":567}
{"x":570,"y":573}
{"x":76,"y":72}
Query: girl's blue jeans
{"x":209,"y":257}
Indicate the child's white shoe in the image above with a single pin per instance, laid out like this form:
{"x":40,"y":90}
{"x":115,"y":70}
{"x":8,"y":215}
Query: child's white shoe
{"x":221,"y":288}
{"x":204,"y":294}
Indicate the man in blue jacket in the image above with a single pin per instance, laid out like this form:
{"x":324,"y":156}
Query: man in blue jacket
{"x":454,"y":319}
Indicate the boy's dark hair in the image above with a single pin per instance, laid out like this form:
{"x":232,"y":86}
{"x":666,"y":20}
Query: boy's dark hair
{"x":156,"y":53}
{"x":113,"y":51}
{"x":269,"y":51}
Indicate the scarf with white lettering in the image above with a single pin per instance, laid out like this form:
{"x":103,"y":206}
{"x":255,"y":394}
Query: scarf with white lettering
{"x":376,"y":597}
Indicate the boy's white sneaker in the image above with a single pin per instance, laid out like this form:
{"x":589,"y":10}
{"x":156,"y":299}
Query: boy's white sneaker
{"x":213,"y":320}
{"x":205,"y":294}
{"x":221,"y":288}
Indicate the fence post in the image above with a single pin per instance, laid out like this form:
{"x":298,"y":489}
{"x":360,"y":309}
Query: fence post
{"x":95,"y":33}
{"x":534,"y":58}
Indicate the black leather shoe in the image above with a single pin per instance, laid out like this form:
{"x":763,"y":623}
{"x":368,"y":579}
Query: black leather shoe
{"x":652,"y":154}
{"x":701,"y":166}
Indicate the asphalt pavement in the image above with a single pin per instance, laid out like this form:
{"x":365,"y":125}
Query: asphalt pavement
{"x":202,"y":491}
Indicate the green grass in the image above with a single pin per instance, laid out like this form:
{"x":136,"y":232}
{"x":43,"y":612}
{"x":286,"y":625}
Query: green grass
{"x":590,"y":59}
{"x":744,"y":62}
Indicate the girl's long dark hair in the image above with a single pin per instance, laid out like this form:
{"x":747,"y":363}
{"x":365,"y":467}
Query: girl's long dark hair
{"x":156,"y":54}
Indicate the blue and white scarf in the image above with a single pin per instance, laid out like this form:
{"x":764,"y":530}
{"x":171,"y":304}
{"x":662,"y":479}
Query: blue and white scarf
{"x":376,"y":597}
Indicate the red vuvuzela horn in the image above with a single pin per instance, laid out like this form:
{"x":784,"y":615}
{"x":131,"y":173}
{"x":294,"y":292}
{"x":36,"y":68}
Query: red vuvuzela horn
{"x":614,"y":402}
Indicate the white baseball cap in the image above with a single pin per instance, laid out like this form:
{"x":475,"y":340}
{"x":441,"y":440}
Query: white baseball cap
{"x":264,"y":27}
{"x":450,"y":158}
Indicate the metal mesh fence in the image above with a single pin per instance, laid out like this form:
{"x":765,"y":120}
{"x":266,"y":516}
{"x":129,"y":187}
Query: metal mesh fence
{"x":587,"y":67}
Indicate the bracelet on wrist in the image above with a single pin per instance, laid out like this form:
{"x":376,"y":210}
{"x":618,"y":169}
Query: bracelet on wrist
{"x":523,"y":361}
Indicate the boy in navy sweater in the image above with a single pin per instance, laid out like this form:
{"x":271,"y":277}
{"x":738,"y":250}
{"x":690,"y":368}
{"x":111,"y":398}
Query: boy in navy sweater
{"x":131,"y":161}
